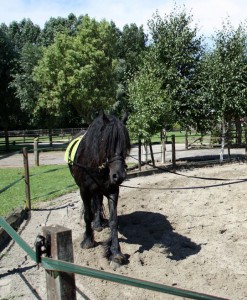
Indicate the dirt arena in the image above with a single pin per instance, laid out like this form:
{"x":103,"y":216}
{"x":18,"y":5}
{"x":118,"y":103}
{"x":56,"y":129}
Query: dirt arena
{"x":186,"y":230}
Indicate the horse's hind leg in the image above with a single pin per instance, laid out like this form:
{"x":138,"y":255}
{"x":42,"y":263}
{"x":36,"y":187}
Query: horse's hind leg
{"x":88,"y":238}
{"x":99,"y":222}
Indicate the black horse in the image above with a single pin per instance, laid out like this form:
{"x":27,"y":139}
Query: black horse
{"x":98,"y":169}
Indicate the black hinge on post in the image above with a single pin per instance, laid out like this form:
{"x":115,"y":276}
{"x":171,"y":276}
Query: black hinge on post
{"x":42,"y":246}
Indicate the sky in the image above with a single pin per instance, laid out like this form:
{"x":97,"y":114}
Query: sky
{"x":208,"y":15}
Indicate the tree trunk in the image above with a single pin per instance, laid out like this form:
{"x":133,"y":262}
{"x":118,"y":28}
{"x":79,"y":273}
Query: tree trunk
{"x":238,"y":131}
{"x":163,"y":146}
{"x":152,"y":154}
{"x":222,"y":141}
{"x":186,"y":140}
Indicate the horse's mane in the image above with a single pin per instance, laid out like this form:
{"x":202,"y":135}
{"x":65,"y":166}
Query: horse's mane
{"x":105,"y":137}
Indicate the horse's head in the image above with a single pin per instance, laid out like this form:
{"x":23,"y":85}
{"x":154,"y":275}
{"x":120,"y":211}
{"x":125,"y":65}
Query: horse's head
{"x":117,"y":169}
{"x":105,"y":147}
{"x":116,"y":148}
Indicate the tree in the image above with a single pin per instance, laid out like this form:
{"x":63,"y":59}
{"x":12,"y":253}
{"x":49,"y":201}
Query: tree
{"x":147,"y":101}
{"x":26,"y":89}
{"x":23,"y":35}
{"x":226,"y":69}
{"x":178,"y":50}
{"x":78,"y":71}
{"x":54,"y":26}
{"x":9,"y":106}
{"x":131,"y":44}
{"x":22,"y":32}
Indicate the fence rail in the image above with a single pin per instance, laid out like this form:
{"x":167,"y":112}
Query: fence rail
{"x":41,"y":132}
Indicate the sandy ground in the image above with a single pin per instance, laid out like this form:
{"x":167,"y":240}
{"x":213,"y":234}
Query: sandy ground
{"x":186,"y":230}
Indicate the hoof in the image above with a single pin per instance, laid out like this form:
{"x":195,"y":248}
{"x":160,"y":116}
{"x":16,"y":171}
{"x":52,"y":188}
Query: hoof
{"x":99,"y":226}
{"x":114,"y":265}
{"x":119,"y":259}
{"x":87,"y":244}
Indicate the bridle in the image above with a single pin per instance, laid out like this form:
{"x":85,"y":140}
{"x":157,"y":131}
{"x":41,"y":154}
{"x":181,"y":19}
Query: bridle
{"x":108,"y":161}
{"x":114,"y":158}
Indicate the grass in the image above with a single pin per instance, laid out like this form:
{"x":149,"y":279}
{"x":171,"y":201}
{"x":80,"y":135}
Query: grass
{"x":46,"y":182}
{"x":179,"y":137}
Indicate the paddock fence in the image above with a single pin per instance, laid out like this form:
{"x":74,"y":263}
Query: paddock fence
{"x":190,"y":139}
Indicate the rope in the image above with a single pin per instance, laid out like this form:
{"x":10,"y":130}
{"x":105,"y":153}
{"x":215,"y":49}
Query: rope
{"x":185,"y":188}
{"x":188,"y":176}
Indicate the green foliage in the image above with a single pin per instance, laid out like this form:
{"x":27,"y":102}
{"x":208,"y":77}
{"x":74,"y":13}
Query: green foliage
{"x":26,"y":89}
{"x":147,"y":102}
{"x":22,"y":32}
{"x":177,"y":50}
{"x":19,"y":35}
{"x":78,"y":71}
{"x":162,"y":91}
{"x":131,"y":44}
{"x":54,"y":26}
{"x":76,"y":66}
{"x":226,"y":69}
{"x":9,"y":107}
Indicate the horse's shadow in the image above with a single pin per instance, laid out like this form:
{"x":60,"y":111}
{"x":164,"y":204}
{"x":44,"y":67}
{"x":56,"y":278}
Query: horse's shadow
{"x":149,"y":229}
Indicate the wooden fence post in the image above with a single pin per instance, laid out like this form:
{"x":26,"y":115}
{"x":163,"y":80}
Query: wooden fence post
{"x":173,"y":151}
{"x":60,"y":285}
{"x":27,"y":181}
{"x":50,"y":137}
{"x":36,"y":152}
{"x":163,"y":147}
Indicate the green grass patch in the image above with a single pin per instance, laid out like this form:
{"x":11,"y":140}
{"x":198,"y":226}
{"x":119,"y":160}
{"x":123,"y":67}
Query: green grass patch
{"x":179,"y":137}
{"x":17,"y":143}
{"x":46,"y":182}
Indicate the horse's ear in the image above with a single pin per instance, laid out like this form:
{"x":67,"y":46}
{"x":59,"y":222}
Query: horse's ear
{"x":125,"y":118}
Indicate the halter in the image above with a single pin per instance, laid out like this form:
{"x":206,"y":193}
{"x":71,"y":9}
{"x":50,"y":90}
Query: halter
{"x":112,"y":159}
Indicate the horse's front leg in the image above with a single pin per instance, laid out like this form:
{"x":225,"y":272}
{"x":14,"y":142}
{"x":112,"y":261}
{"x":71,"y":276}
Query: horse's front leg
{"x":113,"y":251}
{"x":88,"y":238}
{"x":99,"y":222}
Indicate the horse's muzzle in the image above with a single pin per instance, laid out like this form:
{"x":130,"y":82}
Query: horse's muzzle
{"x":118,"y":178}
